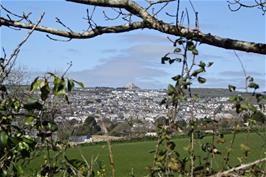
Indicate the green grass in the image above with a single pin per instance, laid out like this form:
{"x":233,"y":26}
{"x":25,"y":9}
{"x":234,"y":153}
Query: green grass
{"x":137,"y":156}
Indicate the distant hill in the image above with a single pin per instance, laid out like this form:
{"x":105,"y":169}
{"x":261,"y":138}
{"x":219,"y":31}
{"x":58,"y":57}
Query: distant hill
{"x":220,"y":92}
{"x":132,"y":86}
{"x":213,"y":92}
{"x":202,"y":92}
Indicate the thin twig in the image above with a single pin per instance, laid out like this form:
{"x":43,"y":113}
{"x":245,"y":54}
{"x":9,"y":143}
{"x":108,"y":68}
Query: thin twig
{"x":11,"y":60}
{"x":69,"y":66}
{"x":61,"y":40}
{"x":238,"y":5}
{"x":21,"y":17}
{"x":156,"y":13}
{"x":61,"y":23}
{"x":177,"y":12}
{"x":243,"y":69}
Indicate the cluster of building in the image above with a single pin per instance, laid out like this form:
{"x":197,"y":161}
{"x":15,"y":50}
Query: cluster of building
{"x":141,"y":109}
{"x":115,"y":104}
{"x":132,"y":103}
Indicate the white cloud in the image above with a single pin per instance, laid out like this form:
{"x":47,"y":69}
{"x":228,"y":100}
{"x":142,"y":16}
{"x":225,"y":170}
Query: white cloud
{"x":139,"y":64}
{"x":241,"y":74}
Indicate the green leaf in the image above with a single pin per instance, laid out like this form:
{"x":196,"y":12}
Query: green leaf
{"x":201,"y":80}
{"x":75,"y":162}
{"x":33,"y":84}
{"x":176,"y":78}
{"x":170,"y":145}
{"x":258,"y":116}
{"x":186,"y":84}
{"x":202,"y":64}
{"x":195,"y":51}
{"x":180,"y":41}
{"x":57,"y":80}
{"x":23,"y":146}
{"x":28,"y":120}
{"x":163,"y":101}
{"x":70,"y":85}
{"x":29,"y":140}
{"x":59,"y":86}
{"x":164,"y":59}
{"x":210,"y":64}
{"x":249,"y":78}
{"x":231,"y":88}
{"x":37,"y":84}
{"x":178,"y":60}
{"x":52,"y":126}
{"x":45,"y":90}
{"x":171,"y":61}
{"x":177,"y":50}
{"x":190,"y":45}
{"x":16,"y":104}
{"x":3,"y":138}
{"x":260,"y":97}
{"x":33,"y":106}
{"x":196,"y":72}
{"x":51,"y":74}
{"x":171,"y":89}
{"x":79,"y":83}
{"x":236,"y":98}
{"x":253,"y":85}
{"x":17,"y":168}
{"x":248,"y":106}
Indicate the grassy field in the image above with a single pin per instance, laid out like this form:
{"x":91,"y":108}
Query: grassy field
{"x":136,"y":156}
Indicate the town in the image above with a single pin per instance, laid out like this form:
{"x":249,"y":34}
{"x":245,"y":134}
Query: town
{"x":129,"y":109}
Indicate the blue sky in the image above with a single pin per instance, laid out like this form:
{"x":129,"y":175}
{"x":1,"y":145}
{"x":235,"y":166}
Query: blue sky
{"x":117,"y":59}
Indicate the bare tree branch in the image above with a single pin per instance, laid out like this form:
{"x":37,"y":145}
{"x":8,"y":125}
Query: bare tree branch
{"x":210,"y":39}
{"x":148,"y":21}
{"x":237,"y":169}
{"x":75,"y":35}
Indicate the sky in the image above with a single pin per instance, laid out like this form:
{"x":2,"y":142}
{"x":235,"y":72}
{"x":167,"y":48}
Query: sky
{"x":114,"y":60}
